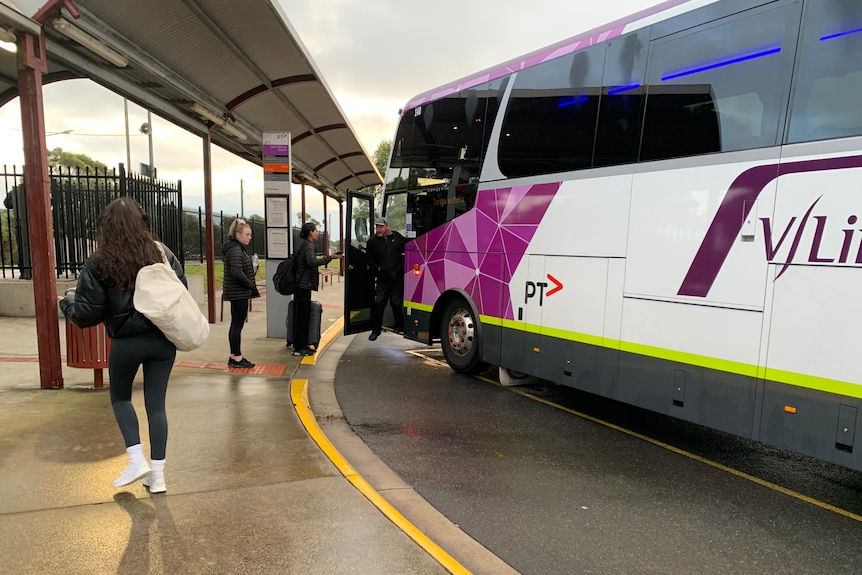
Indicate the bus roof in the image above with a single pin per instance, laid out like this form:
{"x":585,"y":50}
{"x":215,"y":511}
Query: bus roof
{"x":645,"y":17}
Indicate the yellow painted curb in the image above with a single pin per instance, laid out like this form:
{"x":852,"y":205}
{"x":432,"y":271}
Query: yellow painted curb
{"x":299,"y":396}
{"x":327,"y":338}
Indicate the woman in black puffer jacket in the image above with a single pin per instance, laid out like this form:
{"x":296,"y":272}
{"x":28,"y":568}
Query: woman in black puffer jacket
{"x":105,"y":293}
{"x":239,"y":287}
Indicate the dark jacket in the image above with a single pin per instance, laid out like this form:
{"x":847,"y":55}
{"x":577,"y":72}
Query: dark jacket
{"x":238,"y":273}
{"x":96,"y":301}
{"x":307,"y":263}
{"x":386,"y":256}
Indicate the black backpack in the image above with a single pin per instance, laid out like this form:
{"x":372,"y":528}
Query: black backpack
{"x":285,"y":276}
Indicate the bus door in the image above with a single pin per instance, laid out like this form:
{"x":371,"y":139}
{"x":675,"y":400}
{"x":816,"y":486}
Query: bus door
{"x":358,"y":281}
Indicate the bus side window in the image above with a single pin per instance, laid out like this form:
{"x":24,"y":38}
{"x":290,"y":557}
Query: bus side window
{"x":621,"y":109}
{"x":826,"y":100}
{"x":680,"y":121}
{"x":720,"y":87}
{"x":551,"y":117}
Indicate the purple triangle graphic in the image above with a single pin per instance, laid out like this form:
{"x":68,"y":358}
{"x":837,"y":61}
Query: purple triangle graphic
{"x":414,"y":285}
{"x":464,"y":227}
{"x":530,"y":209}
{"x":522,"y":233}
{"x":480,"y":240}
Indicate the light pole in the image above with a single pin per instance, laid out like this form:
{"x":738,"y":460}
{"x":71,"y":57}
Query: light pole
{"x":147,"y":129}
{"x":241,"y":200}
{"x":150,"y":136}
{"x":128,"y":145}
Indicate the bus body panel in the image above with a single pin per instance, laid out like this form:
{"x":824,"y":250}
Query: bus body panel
{"x":672,"y":209}
{"x":588,"y":216}
{"x":813,"y":424}
{"x":715,"y":275}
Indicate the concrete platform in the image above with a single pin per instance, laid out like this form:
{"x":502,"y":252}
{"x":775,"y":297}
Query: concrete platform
{"x":250,"y":490}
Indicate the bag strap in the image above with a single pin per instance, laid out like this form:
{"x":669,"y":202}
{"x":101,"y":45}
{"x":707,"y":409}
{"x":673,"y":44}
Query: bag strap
{"x":162,"y":251}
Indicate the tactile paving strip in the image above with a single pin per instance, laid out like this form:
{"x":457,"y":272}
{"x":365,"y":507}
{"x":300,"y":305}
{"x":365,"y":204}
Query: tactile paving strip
{"x":258,"y":369}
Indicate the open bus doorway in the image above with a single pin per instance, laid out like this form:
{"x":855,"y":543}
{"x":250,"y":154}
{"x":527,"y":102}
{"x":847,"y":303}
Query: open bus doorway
{"x":358,"y":280}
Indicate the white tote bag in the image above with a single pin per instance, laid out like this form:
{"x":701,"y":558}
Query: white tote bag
{"x":165,"y":301}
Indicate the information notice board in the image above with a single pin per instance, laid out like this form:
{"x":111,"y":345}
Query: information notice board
{"x":276,"y":191}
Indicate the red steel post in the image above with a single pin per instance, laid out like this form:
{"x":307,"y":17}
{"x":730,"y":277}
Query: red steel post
{"x":32,"y":63}
{"x":208,"y":231}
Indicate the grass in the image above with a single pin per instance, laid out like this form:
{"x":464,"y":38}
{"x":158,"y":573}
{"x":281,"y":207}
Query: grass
{"x":201,"y":269}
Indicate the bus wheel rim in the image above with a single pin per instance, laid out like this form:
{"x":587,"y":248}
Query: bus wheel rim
{"x":461,"y":331}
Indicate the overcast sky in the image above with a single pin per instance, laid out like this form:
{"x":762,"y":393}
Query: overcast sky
{"x":374,"y":56}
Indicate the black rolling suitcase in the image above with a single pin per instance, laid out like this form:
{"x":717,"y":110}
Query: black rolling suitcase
{"x":313,"y":323}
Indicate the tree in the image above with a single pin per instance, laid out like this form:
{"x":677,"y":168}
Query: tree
{"x":308,"y":218}
{"x":381,"y":159}
{"x":59,"y":157}
{"x":193,"y":237}
{"x":381,"y":156}
{"x":77,"y":171}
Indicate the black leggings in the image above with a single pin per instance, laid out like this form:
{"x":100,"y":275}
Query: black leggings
{"x":157,"y":355}
{"x":302,"y":309}
{"x":238,"y":313}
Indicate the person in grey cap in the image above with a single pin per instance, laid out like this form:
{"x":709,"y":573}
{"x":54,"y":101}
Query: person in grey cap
{"x":385,"y":252}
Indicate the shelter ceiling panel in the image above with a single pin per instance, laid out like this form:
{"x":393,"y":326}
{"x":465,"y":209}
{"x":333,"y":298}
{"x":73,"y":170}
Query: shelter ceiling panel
{"x":265,"y":109}
{"x":179,"y":39}
{"x":317,"y":107}
{"x":313,"y":151}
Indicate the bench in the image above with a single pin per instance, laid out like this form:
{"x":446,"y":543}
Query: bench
{"x":326,"y":275}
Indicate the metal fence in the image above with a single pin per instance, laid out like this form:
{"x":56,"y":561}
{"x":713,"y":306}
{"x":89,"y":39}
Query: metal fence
{"x":77,"y":201}
{"x":194,"y":238}
{"x":194,"y":234}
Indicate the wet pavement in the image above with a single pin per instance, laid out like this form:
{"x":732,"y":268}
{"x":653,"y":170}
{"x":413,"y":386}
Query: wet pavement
{"x":552,"y":489}
{"x":251,"y":488}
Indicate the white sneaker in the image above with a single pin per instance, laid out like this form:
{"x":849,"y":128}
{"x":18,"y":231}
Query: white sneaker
{"x":154,"y":485}
{"x":130,"y":474}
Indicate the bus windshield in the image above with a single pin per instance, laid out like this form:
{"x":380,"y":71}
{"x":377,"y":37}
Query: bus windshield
{"x":436,"y":158}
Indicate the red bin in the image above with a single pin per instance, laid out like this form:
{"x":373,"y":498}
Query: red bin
{"x":88,"y":347}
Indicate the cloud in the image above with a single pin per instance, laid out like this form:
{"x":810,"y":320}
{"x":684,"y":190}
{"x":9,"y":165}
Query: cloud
{"x":387,"y":51}
{"x":374,"y":56}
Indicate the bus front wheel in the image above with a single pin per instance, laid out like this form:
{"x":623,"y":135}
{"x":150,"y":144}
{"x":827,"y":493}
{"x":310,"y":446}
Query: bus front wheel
{"x":459,"y":338}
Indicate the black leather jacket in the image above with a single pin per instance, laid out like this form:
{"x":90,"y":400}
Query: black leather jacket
{"x":95,"y":302}
{"x":307,"y":263}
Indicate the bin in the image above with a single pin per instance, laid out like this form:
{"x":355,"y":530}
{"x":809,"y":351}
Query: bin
{"x":89,"y":348}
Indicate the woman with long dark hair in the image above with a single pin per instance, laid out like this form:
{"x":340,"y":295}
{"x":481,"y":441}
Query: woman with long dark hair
{"x":105,"y":293}
{"x":307,"y":278}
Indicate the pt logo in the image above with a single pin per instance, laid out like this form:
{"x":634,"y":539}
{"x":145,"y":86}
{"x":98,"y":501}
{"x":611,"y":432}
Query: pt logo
{"x":531,"y":289}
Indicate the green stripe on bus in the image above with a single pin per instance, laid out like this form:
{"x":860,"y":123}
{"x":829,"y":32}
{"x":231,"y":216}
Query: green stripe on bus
{"x":812,"y":382}
{"x":419,"y":306}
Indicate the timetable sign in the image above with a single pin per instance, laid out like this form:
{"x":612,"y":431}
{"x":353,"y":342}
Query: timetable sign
{"x":276,"y":161}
